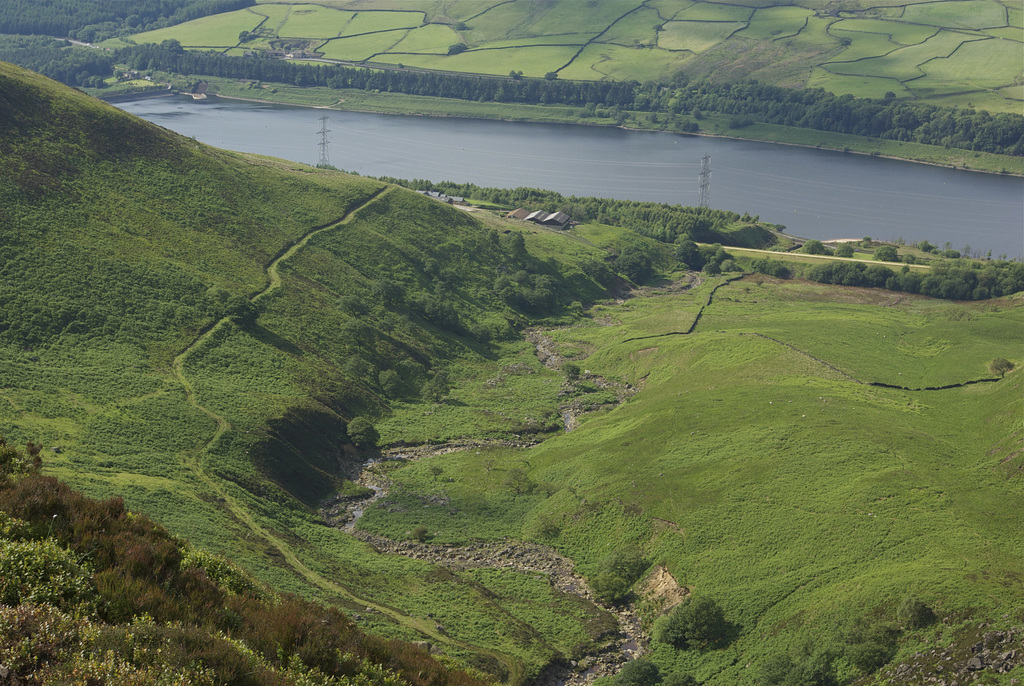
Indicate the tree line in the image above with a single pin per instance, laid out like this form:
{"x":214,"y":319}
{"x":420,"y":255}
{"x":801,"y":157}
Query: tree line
{"x":747,"y":102}
{"x":92,"y":20}
{"x":52,"y":58}
{"x":959,"y":280}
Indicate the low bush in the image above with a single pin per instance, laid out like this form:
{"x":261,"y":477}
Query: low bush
{"x":698,"y":623}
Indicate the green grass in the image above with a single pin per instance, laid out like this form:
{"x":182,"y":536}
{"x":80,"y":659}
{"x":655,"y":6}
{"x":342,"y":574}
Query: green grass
{"x":797,"y":497}
{"x":961,"y":14}
{"x":793,"y":494}
{"x":903,"y":63}
{"x":772,"y":23}
{"x":359,"y":48}
{"x":433,"y":38}
{"x":696,"y":36}
{"x":532,"y":61}
{"x":637,"y":28}
{"x":616,"y":62}
{"x":313,"y":21}
{"x":867,"y":49}
{"x":220,"y":30}
{"x":899,"y":32}
{"x":973,"y":65}
{"x":715,"y":12}
{"x":670,"y":8}
{"x":368,"y":22}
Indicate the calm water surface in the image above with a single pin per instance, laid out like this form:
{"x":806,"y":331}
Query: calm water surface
{"x":814,"y":193}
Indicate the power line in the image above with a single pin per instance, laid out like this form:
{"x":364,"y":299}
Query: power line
{"x":325,"y":160}
{"x":705,"y":180}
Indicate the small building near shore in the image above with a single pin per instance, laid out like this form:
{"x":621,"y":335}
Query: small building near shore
{"x":554,"y":220}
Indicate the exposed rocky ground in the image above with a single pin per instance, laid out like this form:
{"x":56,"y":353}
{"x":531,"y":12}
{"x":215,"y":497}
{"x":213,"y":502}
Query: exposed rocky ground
{"x":966,"y":662}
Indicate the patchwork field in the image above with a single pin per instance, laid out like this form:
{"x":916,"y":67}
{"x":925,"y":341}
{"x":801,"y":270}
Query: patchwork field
{"x":938,"y":52}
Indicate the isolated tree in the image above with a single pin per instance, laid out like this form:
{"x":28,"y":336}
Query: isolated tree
{"x":617,"y":572}
{"x":1000,"y":366}
{"x":438,"y":386}
{"x":698,"y":623}
{"x":518,"y":481}
{"x":844,"y":250}
{"x":572,"y":371}
{"x":914,"y":614}
{"x":390,"y":383}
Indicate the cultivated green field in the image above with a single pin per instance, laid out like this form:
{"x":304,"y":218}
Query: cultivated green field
{"x":938,"y":52}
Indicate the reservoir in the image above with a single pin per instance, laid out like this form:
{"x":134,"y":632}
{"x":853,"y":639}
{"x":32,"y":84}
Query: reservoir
{"x":814,"y":193}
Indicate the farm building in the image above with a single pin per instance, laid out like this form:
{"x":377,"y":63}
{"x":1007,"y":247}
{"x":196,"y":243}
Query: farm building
{"x":450,"y":199}
{"x":554,"y":220}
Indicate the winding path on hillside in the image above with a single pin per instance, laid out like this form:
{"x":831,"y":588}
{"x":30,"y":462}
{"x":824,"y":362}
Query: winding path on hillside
{"x":423,"y":625}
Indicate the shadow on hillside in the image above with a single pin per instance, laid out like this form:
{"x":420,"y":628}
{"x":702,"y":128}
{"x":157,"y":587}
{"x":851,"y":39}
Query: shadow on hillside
{"x":264,"y":335}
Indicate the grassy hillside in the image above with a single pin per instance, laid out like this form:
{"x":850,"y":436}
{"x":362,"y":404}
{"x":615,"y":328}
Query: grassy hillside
{"x":217,"y":338}
{"x":93,"y":593}
{"x":761,"y":468}
{"x":954,"y":52}
{"x":193,"y":330}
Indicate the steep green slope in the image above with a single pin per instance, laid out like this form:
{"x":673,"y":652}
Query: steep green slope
{"x":193,"y":330}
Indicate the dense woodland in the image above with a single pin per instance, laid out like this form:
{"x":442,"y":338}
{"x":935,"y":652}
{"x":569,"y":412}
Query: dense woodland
{"x":92,"y":20}
{"x":680,"y":105}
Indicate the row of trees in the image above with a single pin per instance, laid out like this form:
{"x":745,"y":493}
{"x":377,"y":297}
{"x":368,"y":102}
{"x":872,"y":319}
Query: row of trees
{"x":746,"y":102}
{"x":973,"y":281}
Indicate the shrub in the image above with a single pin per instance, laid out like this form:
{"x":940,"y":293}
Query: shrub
{"x":617,"y":572}
{"x":42,"y":572}
{"x":638,"y":672}
{"x":914,"y":614}
{"x":697,"y":623}
{"x":362,"y":433}
{"x":886,"y":253}
{"x":815,"y":247}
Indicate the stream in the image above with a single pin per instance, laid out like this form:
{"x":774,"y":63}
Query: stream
{"x":524,"y":557}
{"x":344,"y":512}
